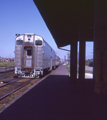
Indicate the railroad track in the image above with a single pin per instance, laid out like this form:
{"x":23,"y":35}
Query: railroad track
{"x":13,"y":89}
{"x":6,"y":74}
{"x":12,"y":86}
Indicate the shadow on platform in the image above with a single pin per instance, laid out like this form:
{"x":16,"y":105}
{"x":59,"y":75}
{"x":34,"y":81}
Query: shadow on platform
{"x":54,"y":99}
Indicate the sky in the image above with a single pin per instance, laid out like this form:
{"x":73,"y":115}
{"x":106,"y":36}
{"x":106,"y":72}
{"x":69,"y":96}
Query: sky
{"x":22,"y":16}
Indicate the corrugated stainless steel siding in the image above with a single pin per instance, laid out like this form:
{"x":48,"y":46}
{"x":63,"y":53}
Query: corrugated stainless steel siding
{"x":18,"y":56}
{"x":38,"y":56}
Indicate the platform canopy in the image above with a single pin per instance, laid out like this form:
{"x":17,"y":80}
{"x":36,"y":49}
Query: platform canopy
{"x":68,"y":20}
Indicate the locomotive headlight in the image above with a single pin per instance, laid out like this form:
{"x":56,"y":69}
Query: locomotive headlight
{"x":29,"y":36}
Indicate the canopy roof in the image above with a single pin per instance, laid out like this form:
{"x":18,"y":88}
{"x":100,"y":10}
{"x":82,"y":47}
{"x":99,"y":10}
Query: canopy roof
{"x":68,"y":20}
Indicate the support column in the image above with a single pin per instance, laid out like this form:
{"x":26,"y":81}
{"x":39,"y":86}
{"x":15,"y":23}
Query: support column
{"x":73,"y":64}
{"x":82,"y":64}
{"x":100,"y":47}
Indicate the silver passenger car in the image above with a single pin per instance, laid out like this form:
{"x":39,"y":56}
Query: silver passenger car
{"x":33,"y":55}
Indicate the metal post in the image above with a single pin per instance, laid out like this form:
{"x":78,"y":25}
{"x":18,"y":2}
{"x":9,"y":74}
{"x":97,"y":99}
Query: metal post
{"x":73,"y":64}
{"x":82,"y":64}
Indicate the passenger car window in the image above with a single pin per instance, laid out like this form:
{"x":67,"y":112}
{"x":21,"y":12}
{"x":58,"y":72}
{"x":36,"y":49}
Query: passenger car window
{"x":19,"y":42}
{"x":38,"y":42}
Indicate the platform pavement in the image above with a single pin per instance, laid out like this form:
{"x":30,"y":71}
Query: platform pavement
{"x":54,"y":99}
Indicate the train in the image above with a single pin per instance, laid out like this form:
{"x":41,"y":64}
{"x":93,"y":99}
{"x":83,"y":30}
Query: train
{"x":33,"y":56}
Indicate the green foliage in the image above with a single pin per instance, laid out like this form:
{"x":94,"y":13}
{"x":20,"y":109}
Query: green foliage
{"x":1,"y":106}
{"x":12,"y":97}
{"x":68,"y":68}
{"x":88,"y":72}
{"x":3,"y":64}
{"x":87,"y":62}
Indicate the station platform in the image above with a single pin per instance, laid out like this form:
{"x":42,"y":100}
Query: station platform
{"x":53,"y":99}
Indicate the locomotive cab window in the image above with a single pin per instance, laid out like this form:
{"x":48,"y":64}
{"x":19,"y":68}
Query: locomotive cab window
{"x":19,"y":42}
{"x":38,"y":42}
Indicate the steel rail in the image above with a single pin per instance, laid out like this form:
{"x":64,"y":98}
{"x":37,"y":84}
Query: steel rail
{"x":15,"y":90}
{"x":6,"y":74}
{"x":8,"y":83}
{"x":1,"y":72}
{"x":6,"y":69}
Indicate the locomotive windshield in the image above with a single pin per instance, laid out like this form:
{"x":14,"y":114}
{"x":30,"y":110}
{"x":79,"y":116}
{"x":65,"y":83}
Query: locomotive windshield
{"x":19,"y":42}
{"x":38,"y":42}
